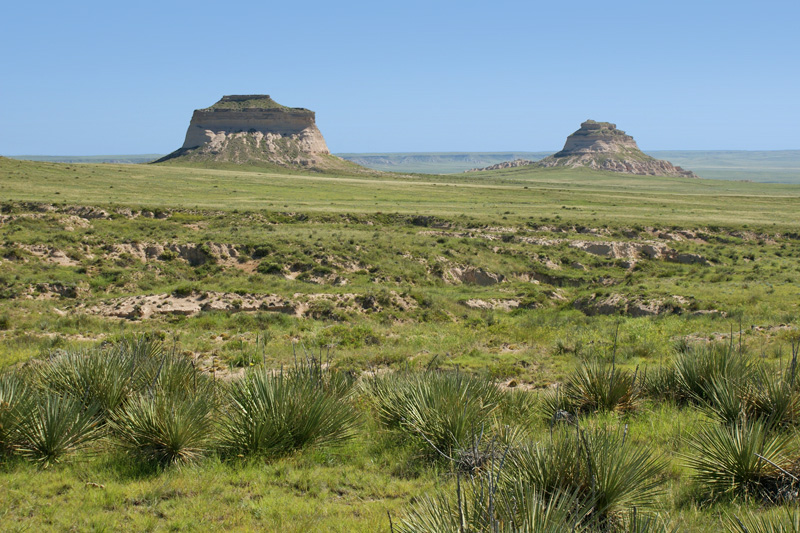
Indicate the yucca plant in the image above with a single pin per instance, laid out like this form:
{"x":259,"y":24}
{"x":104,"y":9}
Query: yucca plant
{"x":595,"y":386}
{"x":725,"y":398}
{"x":16,"y":406}
{"x":482,"y":504}
{"x":661,"y":383}
{"x":786,"y":520}
{"x":166,"y":427}
{"x":700,"y":364}
{"x":91,"y":376}
{"x":610,"y":475}
{"x":773,"y":397}
{"x":268,"y":413}
{"x":598,"y":385}
{"x":557,"y":406}
{"x":107,"y":376}
{"x":57,"y":427}
{"x":445,"y":410}
{"x":744,"y":457}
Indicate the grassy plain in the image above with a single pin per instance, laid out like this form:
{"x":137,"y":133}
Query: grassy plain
{"x":517,"y":274}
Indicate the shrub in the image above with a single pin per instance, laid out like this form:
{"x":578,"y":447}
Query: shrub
{"x":700,"y":365}
{"x":183,"y":290}
{"x":600,"y":386}
{"x":93,"y":377}
{"x":268,"y":267}
{"x":578,"y":482}
{"x":108,"y":376}
{"x":661,"y":383}
{"x":483,"y":506}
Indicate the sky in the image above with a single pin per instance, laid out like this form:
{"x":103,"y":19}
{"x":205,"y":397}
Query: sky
{"x":97,"y":78}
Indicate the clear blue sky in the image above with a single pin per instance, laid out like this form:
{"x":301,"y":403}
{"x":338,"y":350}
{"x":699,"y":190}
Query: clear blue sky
{"x":86,"y":77}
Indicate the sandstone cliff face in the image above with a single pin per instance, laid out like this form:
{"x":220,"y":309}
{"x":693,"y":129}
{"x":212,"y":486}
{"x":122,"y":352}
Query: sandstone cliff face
{"x":601,"y":146}
{"x":253,"y":129}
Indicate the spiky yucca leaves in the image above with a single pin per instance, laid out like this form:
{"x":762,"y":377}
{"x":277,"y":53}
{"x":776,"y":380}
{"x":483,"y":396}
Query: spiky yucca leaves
{"x":700,"y":365}
{"x":57,"y":427}
{"x":785,"y":521}
{"x":166,"y":427}
{"x":661,"y":382}
{"x":596,"y":385}
{"x":600,"y":386}
{"x":483,"y":504}
{"x":92,"y":376}
{"x":105,"y":376}
{"x":445,"y":410}
{"x":16,"y":405}
{"x":726,"y":460}
{"x":498,"y":501}
{"x":774,"y":398}
{"x":268,"y":414}
{"x":609,"y":474}
{"x":724,"y":398}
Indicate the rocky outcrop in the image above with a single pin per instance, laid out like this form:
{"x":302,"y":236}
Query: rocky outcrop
{"x":505,"y":164}
{"x":254,"y":129}
{"x":601,"y":146}
{"x":636,"y":307}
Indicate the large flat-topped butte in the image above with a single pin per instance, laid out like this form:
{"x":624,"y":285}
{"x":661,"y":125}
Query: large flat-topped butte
{"x":254,"y":129}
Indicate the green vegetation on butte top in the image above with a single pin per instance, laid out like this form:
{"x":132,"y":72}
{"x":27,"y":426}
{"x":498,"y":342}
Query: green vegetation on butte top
{"x":248,"y":101}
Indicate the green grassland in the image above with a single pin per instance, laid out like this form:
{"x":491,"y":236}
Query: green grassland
{"x":776,"y":166}
{"x":516,"y":275}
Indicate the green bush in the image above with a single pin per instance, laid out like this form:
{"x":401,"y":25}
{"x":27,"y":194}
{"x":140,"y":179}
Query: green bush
{"x":596,"y":385}
{"x":268,"y":267}
{"x":700,"y":365}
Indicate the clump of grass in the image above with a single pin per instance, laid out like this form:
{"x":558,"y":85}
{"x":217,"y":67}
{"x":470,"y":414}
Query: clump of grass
{"x":58,"y":426}
{"x":272,"y":414}
{"x":444,"y":410}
